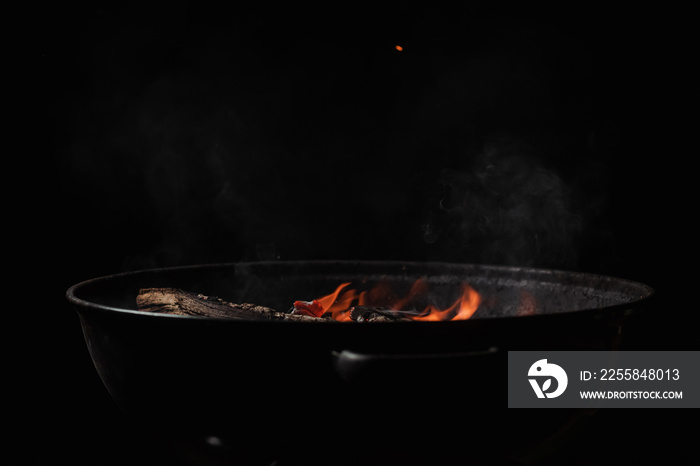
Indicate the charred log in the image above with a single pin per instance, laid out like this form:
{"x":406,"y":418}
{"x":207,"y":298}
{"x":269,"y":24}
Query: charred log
{"x":376,"y":314}
{"x":176,"y":301}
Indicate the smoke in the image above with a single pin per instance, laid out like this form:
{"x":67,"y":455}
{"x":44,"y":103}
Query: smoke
{"x":506,"y":208}
{"x":193,"y":143}
{"x":213,"y":153}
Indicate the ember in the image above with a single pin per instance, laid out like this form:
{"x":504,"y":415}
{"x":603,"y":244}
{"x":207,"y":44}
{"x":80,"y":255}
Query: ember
{"x":342,"y":303}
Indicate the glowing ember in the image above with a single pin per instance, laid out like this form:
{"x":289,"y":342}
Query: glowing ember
{"x":339,"y":304}
{"x":399,"y":48}
{"x":527,"y":305}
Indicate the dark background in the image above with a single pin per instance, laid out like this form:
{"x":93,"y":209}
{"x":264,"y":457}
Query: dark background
{"x":184,"y":135}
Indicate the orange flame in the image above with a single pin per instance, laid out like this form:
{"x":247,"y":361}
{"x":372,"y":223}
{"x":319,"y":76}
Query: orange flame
{"x":338,"y":304}
{"x":462,"y":309}
{"x":341,"y":301}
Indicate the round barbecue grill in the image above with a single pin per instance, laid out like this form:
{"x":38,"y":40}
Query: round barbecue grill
{"x":264,"y":390}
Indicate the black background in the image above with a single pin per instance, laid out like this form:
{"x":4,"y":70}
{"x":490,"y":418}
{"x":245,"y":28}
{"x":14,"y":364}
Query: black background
{"x":184,"y":135}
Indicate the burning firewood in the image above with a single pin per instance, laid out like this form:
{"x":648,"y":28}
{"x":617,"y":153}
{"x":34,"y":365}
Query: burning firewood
{"x":356,"y":313}
{"x":176,"y":301}
{"x":375,"y":314}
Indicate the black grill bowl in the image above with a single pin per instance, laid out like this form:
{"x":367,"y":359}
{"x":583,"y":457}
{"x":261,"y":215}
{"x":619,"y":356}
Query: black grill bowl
{"x":239,"y":392}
